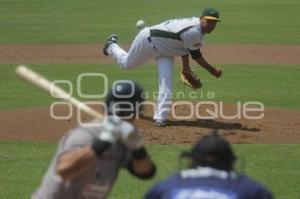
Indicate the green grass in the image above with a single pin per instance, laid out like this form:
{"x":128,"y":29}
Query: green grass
{"x":275,"y":86}
{"x":22,"y":166}
{"x":66,"y":21}
{"x":24,"y":163}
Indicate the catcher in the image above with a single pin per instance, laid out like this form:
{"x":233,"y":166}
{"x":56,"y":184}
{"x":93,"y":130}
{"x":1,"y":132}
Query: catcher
{"x":210,"y":175}
{"x":89,"y":158}
{"x":163,"y":42}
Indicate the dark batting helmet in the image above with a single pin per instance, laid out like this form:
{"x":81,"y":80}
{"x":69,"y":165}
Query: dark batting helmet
{"x":124,"y":99}
{"x":212,"y":151}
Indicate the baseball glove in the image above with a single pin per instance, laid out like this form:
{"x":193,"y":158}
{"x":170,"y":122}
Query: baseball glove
{"x":191,"y":79}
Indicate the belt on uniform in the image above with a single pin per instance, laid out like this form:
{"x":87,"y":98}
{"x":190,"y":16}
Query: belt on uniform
{"x":150,"y":41}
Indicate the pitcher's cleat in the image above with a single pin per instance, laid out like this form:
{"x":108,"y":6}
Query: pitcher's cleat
{"x":160,"y":123}
{"x":112,"y":39}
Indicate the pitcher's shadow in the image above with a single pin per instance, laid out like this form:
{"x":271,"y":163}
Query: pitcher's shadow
{"x":207,"y":123}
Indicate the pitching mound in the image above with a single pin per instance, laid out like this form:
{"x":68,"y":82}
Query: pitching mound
{"x":36,"y":124}
{"x":277,"y":126}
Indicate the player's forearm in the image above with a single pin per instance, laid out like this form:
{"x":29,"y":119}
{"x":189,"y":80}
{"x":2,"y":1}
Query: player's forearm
{"x":185,"y":63}
{"x":73,"y":163}
{"x":141,"y":164}
{"x":201,"y":61}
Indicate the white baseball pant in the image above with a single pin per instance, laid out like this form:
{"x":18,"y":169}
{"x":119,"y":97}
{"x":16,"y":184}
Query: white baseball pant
{"x":141,"y":52}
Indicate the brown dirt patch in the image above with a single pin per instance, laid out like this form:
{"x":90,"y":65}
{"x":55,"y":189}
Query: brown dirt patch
{"x":278,"y":126}
{"x":92,"y":53}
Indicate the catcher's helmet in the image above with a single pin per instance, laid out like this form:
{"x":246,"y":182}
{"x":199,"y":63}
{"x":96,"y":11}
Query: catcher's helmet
{"x":124,"y":99}
{"x":212,"y":151}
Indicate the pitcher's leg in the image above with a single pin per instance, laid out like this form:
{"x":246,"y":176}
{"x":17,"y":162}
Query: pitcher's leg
{"x":118,"y":54}
{"x":139,"y":53}
{"x":164,"y":101}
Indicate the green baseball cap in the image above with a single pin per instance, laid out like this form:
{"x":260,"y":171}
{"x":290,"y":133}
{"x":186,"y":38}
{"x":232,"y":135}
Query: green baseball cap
{"x":211,"y":14}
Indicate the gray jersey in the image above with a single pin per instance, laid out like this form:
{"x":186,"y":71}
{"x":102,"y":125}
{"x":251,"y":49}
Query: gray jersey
{"x":176,"y":37}
{"x":96,"y":181}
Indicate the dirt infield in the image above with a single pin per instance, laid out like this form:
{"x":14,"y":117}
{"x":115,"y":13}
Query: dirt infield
{"x":92,"y":53}
{"x":277,"y":126}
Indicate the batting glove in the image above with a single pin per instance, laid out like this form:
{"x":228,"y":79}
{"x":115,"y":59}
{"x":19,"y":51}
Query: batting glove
{"x":130,"y":136}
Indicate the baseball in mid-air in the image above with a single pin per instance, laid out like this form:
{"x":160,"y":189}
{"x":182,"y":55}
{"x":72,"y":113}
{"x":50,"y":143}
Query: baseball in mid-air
{"x":140,"y":24}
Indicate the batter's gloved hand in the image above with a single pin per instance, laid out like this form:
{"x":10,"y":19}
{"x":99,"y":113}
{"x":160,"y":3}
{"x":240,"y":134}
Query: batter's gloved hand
{"x":108,"y":135}
{"x":110,"y":132}
{"x":191,"y":79}
{"x":130,"y":136}
{"x":116,"y":129}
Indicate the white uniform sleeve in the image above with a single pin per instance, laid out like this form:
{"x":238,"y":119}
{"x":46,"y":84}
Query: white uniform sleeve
{"x":192,"y":39}
{"x":76,"y":138}
{"x":80,"y":137}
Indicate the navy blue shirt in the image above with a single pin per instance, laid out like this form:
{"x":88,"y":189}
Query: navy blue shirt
{"x":208,"y":183}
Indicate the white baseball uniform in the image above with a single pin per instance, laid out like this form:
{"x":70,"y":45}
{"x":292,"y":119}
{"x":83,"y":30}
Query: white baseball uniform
{"x":161,"y":42}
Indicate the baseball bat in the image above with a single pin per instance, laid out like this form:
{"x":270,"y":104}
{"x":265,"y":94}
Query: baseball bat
{"x":54,"y":90}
